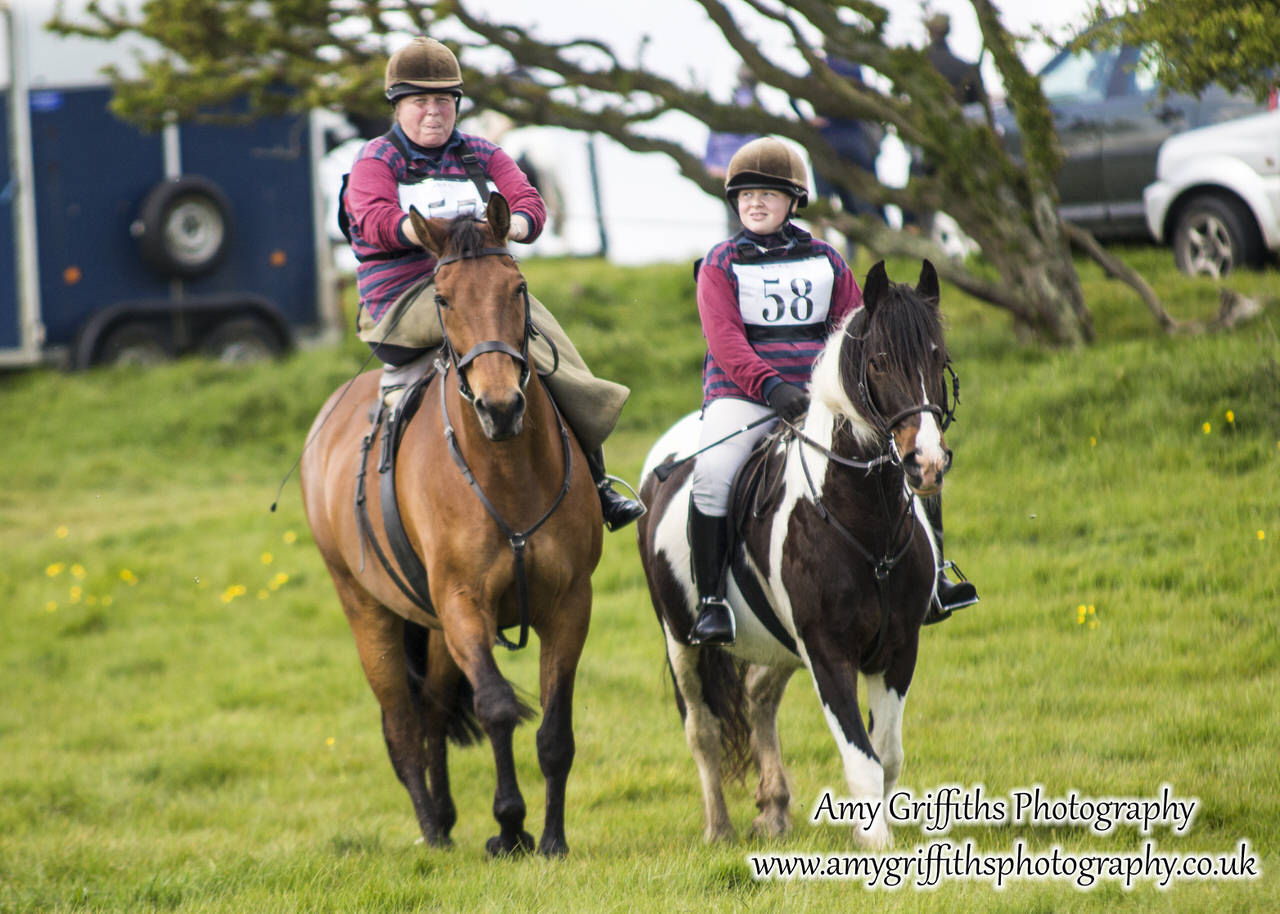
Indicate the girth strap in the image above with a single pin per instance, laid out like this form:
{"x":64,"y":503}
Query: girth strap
{"x":407,"y":573}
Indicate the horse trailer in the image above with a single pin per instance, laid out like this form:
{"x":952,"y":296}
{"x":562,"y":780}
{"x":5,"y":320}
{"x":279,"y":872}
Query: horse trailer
{"x":122,"y":245}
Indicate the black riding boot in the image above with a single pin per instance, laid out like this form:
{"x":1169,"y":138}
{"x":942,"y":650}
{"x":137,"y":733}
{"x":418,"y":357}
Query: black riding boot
{"x":618,"y":510}
{"x":952,"y":595}
{"x":709,"y":537}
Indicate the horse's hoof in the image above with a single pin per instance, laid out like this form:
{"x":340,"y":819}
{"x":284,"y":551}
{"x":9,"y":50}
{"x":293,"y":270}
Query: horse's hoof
{"x":557,"y":848}
{"x":499,"y":846}
{"x":770,"y":826}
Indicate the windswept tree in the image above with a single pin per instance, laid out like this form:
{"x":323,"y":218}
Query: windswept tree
{"x":296,"y":54}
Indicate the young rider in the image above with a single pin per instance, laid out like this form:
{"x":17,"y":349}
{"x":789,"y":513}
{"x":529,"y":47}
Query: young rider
{"x":768,"y":298}
{"x":426,"y":162}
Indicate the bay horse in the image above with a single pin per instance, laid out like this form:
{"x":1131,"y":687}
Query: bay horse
{"x":832,"y":568}
{"x":486,"y":455}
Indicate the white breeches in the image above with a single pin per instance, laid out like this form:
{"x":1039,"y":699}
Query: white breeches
{"x":714,"y":470}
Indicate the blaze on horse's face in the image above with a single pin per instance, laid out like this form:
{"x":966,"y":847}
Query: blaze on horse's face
{"x":902,"y":367}
{"x":481,"y":299}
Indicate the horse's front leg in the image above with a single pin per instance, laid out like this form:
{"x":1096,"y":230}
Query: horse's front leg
{"x":886,"y":699}
{"x":561,"y":648}
{"x":835,"y":676}
{"x":469,"y":638}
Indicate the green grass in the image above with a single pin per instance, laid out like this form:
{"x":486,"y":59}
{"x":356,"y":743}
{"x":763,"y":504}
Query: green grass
{"x":185,"y":726}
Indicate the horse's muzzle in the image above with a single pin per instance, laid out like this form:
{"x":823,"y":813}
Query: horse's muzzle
{"x":924,"y":477}
{"x":501,"y":417}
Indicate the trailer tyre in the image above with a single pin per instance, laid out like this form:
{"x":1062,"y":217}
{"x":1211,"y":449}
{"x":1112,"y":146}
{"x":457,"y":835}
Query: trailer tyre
{"x":184,"y":227}
{"x":135,"y":343}
{"x":242,"y":340}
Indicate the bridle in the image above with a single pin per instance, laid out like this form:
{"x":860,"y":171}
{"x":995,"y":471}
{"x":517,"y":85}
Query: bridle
{"x":517,"y":540}
{"x":521,"y":355}
{"x":885,"y":426}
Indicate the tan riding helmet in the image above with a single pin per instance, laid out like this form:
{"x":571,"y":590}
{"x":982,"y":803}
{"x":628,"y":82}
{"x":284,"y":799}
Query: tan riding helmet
{"x":422,"y":65}
{"x":767,"y":163}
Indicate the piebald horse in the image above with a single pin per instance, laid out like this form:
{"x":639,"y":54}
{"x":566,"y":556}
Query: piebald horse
{"x":486,"y":456}
{"x":833,"y":566}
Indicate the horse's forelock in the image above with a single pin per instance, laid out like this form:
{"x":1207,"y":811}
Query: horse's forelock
{"x":466,"y":237}
{"x":905,"y":329}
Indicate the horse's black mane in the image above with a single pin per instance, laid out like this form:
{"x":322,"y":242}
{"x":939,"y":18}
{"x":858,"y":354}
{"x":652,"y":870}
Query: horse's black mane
{"x":903,"y":331}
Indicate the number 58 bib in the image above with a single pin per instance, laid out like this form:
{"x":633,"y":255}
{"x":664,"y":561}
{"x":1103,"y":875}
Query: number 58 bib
{"x":785,"y":293}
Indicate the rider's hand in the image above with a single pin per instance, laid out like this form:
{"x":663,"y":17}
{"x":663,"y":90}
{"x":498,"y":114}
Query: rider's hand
{"x":788,"y":401}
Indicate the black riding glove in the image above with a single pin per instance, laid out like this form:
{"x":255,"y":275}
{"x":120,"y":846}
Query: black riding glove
{"x":788,"y":401}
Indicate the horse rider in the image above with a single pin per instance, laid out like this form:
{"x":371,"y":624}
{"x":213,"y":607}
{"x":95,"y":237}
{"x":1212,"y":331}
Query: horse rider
{"x":423,"y":160}
{"x":768,"y":298}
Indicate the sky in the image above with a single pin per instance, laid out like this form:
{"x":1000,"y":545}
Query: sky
{"x":651,"y":213}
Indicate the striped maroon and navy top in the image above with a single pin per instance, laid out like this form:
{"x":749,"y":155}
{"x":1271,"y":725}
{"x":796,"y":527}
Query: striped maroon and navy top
{"x":373,"y":207}
{"x":744,"y":363}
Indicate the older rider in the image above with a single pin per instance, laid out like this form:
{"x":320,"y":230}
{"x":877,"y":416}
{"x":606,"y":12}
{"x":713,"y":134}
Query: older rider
{"x":426,"y":162}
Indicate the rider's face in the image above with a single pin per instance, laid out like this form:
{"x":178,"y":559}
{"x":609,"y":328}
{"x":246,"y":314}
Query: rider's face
{"x":427,"y":119}
{"x":763,"y":210}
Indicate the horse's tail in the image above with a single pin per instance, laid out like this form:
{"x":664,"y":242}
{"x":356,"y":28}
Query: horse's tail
{"x":724,"y":692}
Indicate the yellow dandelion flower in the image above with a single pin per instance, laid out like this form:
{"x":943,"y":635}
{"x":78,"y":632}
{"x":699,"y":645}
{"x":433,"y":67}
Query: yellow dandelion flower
{"x":1093,"y":442}
{"x":1081,"y":610}
{"x":1207,"y":428}
{"x":61,"y":533}
{"x":278,"y":581}
{"x":128,"y":577}
{"x":1093,"y":623}
{"x":51,"y":607}
{"x":1231,"y":417}
{"x":329,"y":742}
{"x":55,"y":569}
{"x":290,"y":537}
{"x":76,"y":594}
{"x":267,"y":558}
{"x":91,"y":600}
{"x":1262,"y":534}
{"x":77,"y":571}
{"x":263,"y":594}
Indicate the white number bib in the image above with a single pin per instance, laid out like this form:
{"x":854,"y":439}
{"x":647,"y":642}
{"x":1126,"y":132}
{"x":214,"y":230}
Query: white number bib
{"x":444,"y":198}
{"x":785,"y":293}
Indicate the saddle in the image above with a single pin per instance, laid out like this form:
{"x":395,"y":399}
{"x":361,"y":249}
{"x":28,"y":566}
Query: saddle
{"x":408,"y":573}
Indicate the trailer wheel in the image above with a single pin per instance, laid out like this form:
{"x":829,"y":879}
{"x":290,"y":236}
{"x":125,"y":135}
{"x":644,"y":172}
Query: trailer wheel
{"x":184,"y":227}
{"x":134,"y":344}
{"x":242,"y":340}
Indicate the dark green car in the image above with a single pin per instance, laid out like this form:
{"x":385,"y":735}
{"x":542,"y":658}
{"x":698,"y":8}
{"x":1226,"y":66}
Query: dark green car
{"x":1111,"y":120}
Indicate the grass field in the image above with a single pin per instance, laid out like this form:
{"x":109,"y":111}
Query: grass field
{"x":185,"y":726}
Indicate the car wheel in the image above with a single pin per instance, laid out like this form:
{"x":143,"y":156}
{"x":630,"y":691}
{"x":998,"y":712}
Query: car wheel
{"x":242,"y":340}
{"x":1215,"y":235}
{"x":134,"y":344}
{"x":184,"y":226}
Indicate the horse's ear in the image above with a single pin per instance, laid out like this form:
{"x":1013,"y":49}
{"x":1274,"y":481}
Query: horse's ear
{"x":875,"y":287}
{"x":927,"y":284}
{"x":499,"y":217}
{"x":432,"y":233}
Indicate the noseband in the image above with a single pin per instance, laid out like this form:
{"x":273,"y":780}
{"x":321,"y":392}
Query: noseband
{"x":521,"y":356}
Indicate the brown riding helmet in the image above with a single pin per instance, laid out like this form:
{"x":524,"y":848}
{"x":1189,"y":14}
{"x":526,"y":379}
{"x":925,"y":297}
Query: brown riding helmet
{"x":423,"y":65}
{"x":767,"y":163}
